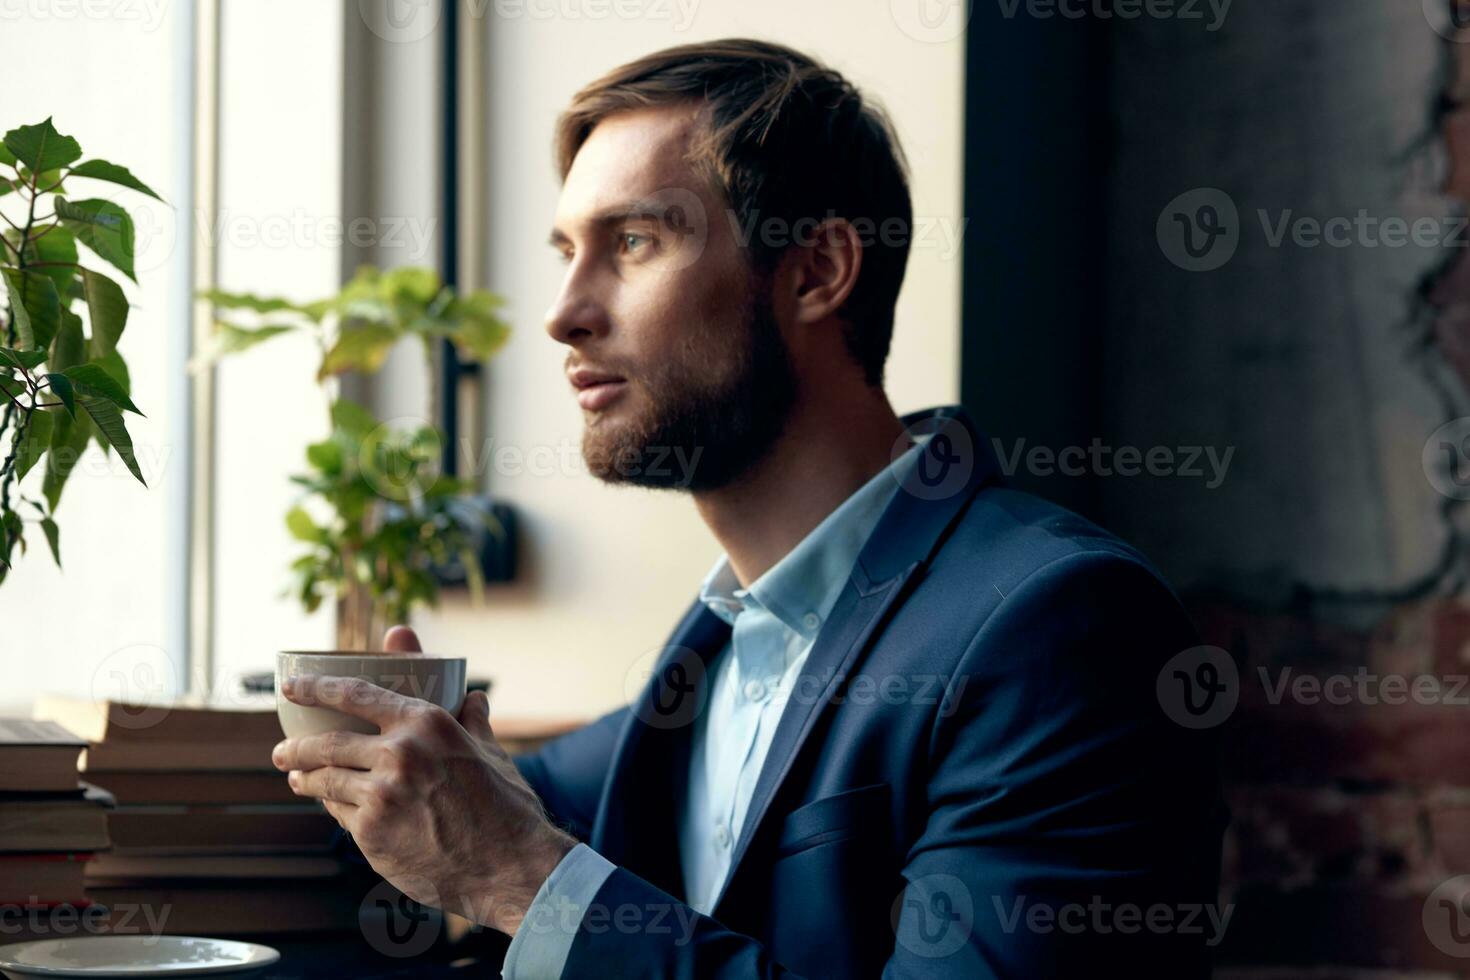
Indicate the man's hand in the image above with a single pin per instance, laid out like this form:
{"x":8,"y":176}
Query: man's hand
{"x":434,"y":802}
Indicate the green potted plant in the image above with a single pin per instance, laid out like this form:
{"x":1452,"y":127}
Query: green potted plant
{"x":63,"y":383}
{"x":385,"y":515}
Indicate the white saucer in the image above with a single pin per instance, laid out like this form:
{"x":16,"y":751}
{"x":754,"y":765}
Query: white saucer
{"x":133,"y":956}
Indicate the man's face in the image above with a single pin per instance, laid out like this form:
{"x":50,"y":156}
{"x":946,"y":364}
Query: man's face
{"x":675,"y":354}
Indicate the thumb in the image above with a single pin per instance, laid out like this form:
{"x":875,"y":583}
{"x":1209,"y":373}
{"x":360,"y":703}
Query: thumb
{"x":474,"y":715}
{"x":401,"y":639}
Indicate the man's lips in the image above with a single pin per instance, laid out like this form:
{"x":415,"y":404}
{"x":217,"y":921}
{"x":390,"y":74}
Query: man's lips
{"x":596,"y":389}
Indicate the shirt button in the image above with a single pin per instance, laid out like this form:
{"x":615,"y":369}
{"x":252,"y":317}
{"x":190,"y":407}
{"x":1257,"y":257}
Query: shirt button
{"x":755,"y":691}
{"x":722,"y":836}
{"x":811,"y":620}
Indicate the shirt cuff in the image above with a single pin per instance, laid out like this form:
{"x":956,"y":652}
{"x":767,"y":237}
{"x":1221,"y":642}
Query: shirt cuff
{"x":544,"y":939}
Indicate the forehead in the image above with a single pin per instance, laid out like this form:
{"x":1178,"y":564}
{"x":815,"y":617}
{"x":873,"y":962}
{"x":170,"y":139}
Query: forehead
{"x":628,"y":156}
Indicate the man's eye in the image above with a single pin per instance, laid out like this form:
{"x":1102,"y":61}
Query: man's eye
{"x":632,"y":241}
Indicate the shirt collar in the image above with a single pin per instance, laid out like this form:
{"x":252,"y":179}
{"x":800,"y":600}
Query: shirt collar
{"x":801,"y":589}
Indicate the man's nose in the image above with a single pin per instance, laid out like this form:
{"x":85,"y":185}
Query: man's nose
{"x":575,"y":317}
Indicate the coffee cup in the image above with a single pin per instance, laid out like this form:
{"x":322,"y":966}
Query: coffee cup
{"x":427,"y":677}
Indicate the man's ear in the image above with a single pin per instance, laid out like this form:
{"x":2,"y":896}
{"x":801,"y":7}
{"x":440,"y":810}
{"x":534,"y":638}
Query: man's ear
{"x":827,"y":265}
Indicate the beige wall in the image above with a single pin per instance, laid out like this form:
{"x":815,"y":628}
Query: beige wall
{"x":607,"y":571}
{"x":111,"y":623}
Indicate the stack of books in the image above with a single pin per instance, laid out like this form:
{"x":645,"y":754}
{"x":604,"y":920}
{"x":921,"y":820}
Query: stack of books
{"x":207,"y":835}
{"x":51,"y":826}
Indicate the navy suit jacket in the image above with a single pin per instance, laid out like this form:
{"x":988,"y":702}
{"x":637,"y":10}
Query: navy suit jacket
{"x":1013,"y":803}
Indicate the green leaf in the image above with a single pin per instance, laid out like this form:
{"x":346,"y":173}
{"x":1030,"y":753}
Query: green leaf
{"x":414,"y":284}
{"x":92,"y":380}
{"x":58,"y":249}
{"x":35,"y":305}
{"x":325,"y":456}
{"x":352,"y":418}
{"x":68,"y":441}
{"x":114,"y":365}
{"x":108,"y":419}
{"x":479,"y":332}
{"x":41,"y":147}
{"x":302,"y":527}
{"x":61,"y":385}
{"x":53,"y":535}
{"x":6,"y":157}
{"x":360,"y":346}
{"x":230,"y":339}
{"x":256,"y":304}
{"x":108,"y":308}
{"x":103,"y":227}
{"x":11,"y":386}
{"x":27,"y":359}
{"x":35,"y":443}
{"x":102,"y":170}
{"x":70,"y":346}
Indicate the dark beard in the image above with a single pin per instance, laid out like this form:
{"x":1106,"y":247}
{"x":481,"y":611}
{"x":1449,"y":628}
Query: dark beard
{"x":700,"y":436}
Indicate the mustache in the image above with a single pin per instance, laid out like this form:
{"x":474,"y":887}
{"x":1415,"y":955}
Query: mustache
{"x":599,"y":367}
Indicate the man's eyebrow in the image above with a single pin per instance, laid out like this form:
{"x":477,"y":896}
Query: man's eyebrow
{"x":644,"y":210}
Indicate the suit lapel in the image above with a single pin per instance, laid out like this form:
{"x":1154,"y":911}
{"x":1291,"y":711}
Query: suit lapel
{"x":858,"y":613}
{"x":637,"y":821}
{"x":931,"y":496}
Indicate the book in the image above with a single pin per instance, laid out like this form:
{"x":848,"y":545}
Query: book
{"x":37,"y":755}
{"x":108,"y":721}
{"x":144,"y":786}
{"x":235,"y":907}
{"x":60,"y":821}
{"x":123,"y":866}
{"x":238,"y":829}
{"x":42,"y":879}
{"x":149,"y":755}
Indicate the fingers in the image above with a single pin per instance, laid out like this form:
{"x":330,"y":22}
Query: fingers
{"x":401,"y":639}
{"x":346,"y":750}
{"x":344,"y":813}
{"x":474,"y":715}
{"x":331,"y":783}
{"x":350,"y":695}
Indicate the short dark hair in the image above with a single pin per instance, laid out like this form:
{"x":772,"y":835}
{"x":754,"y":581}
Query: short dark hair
{"x":783,"y":137}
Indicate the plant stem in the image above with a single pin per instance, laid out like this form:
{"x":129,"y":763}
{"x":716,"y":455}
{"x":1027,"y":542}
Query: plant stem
{"x":17,"y":428}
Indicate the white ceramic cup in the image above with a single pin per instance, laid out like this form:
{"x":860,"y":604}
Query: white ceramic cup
{"x":438,"y":680}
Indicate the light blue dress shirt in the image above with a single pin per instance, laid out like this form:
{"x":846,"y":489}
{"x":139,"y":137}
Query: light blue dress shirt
{"x":774,"y":624}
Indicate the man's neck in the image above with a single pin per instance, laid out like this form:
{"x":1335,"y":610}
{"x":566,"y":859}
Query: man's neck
{"x":825,"y":454}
